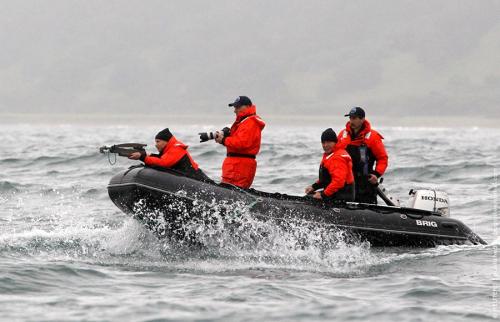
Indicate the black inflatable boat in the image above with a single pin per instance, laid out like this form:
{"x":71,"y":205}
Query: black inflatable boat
{"x":165,"y":200}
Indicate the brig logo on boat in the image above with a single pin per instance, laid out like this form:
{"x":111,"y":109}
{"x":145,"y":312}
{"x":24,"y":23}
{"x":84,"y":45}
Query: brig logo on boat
{"x":426,"y":223}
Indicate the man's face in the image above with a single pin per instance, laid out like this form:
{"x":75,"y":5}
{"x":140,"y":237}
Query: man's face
{"x":239,"y":109}
{"x":356,"y":122}
{"x":328,"y":146}
{"x":160,"y":144}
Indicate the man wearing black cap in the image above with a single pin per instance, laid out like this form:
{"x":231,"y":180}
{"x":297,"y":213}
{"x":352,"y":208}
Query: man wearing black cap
{"x":335,"y":171}
{"x":368,"y":154}
{"x":173,"y":154}
{"x":242,"y":144}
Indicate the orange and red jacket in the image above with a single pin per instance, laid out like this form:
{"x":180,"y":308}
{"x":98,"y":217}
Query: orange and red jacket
{"x":369,"y":137}
{"x":173,"y":152}
{"x":245,"y":133}
{"x":338,"y":164}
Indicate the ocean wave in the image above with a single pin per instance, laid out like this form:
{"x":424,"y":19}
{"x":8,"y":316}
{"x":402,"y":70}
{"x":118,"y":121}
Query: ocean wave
{"x":76,"y":241}
{"x":10,"y":161}
{"x":223,"y":250}
{"x":441,"y":173}
{"x":36,"y":278}
{"x":7,"y":186}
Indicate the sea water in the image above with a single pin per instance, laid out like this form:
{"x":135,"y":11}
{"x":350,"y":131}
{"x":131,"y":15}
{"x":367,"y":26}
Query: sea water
{"x":68,"y":254}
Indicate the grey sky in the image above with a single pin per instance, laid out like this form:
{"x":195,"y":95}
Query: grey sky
{"x":303,"y":57}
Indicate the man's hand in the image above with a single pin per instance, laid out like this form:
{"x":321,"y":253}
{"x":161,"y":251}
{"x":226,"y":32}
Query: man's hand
{"x":309,"y":190}
{"x":317,"y":195}
{"x":219,"y":137}
{"x":373,"y":179}
{"x":135,"y":156}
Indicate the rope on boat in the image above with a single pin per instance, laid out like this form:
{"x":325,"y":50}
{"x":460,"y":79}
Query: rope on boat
{"x":109,"y":158}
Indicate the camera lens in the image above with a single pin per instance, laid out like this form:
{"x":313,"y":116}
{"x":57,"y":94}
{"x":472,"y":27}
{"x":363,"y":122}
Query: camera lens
{"x":205,"y":136}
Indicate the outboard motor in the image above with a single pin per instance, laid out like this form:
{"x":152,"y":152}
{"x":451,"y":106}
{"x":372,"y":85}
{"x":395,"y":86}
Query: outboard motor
{"x":431,"y":200}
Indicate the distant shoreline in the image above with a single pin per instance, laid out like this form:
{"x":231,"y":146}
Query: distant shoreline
{"x":292,"y":120}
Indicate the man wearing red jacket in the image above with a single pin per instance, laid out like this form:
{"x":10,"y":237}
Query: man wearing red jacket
{"x":242,"y":144}
{"x":173,"y":155}
{"x":335,"y":171}
{"x":368,"y":154}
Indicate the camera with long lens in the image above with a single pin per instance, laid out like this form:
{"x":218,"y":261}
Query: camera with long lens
{"x":205,"y":136}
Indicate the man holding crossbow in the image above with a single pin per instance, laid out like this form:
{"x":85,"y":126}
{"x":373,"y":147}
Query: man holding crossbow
{"x":173,"y":155}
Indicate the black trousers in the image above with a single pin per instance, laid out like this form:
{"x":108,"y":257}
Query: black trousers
{"x":365,"y":191}
{"x":344,"y":194}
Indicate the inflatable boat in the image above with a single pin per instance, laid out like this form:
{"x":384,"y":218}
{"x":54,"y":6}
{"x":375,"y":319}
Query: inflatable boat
{"x":166,"y":200}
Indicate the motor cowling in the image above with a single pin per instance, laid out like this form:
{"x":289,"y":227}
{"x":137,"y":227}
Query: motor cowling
{"x":431,"y":200}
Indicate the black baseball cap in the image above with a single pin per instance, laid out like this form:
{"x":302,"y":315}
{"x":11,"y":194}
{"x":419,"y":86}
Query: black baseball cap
{"x":240,"y":101}
{"x":356,"y":111}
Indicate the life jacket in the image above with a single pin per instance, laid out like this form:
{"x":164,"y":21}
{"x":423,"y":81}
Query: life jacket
{"x":176,"y":157}
{"x":243,"y":145}
{"x":335,"y":175}
{"x":366,"y":150}
{"x":245,"y":136}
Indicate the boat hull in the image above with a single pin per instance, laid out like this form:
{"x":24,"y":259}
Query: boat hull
{"x":165,"y":201}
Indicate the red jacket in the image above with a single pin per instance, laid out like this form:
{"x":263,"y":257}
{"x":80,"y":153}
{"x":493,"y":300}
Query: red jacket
{"x":338,"y":165}
{"x":242,"y":146}
{"x":245,"y":133}
{"x":372,"y":139}
{"x":173,"y":152}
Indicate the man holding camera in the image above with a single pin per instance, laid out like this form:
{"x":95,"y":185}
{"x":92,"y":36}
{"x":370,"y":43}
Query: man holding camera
{"x":367,"y":151}
{"x":242,"y":143}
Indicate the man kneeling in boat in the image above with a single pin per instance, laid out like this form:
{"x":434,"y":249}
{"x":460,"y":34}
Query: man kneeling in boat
{"x":335,"y":172}
{"x":173,"y":155}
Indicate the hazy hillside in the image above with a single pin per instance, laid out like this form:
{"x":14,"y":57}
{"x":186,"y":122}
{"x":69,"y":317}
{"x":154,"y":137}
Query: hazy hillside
{"x":426,"y":58}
